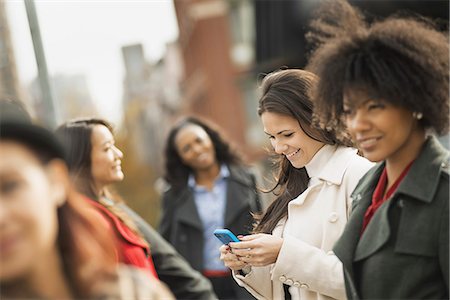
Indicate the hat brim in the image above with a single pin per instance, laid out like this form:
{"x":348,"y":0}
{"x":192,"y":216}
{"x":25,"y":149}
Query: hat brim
{"x":35,"y":136}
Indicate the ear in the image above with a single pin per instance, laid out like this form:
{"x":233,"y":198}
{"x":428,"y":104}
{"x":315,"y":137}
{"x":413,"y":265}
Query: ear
{"x":59,"y":177}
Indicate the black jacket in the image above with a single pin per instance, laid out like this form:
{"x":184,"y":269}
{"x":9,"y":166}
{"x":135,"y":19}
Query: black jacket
{"x":181,"y":224}
{"x":172,"y":269}
{"x":404,"y":251}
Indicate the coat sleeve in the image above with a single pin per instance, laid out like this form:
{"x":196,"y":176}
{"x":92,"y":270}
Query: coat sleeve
{"x":257,"y":282}
{"x":444,"y":244}
{"x":304,"y":265}
{"x":166,"y":217}
{"x":171,"y":267}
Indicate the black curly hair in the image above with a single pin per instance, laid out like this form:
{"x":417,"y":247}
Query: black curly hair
{"x":176,"y":171}
{"x":402,"y":60}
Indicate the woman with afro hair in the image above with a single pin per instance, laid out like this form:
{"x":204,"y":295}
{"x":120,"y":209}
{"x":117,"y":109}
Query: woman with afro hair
{"x":387,"y":84}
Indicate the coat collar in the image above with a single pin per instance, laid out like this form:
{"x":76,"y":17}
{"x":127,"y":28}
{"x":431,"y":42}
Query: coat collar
{"x":238,"y":180}
{"x":330,"y":163}
{"x":423,"y":177}
{"x":420,"y":183}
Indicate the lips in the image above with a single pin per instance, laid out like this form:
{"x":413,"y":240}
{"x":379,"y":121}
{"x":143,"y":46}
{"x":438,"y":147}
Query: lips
{"x":368,"y":143}
{"x":292,"y":154}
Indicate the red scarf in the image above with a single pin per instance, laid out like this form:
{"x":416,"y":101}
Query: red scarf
{"x":377,"y":197}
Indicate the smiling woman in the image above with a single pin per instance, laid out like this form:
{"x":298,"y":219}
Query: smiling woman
{"x":289,"y":255}
{"x":52,"y":243}
{"x":95,"y":163}
{"x":388,"y":84}
{"x":210,"y":188}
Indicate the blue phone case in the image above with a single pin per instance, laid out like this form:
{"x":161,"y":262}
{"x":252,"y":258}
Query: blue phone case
{"x":225,"y":236}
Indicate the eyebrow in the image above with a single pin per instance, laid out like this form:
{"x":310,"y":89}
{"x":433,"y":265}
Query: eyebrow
{"x":280,"y":132}
{"x":107,"y":142}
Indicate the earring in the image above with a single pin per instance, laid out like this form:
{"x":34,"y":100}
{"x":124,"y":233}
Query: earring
{"x":417,"y":115}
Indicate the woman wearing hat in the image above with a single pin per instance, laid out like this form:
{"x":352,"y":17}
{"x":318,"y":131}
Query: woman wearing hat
{"x":52,"y":245}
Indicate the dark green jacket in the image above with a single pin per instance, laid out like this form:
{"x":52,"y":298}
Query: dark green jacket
{"x":404,"y":251}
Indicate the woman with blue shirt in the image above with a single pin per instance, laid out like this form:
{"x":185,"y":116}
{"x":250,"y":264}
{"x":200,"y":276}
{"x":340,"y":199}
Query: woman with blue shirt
{"x":209,"y":189}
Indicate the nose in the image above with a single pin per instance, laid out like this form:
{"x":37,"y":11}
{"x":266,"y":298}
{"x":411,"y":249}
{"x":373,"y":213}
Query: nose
{"x":197,"y":148}
{"x":357,"y":122}
{"x":118,"y":153}
{"x":279,"y":146}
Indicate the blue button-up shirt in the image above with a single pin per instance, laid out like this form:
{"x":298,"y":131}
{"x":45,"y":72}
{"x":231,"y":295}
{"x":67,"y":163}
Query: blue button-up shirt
{"x":211,"y":209}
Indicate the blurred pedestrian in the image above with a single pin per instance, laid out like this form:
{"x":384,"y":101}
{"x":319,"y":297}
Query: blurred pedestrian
{"x":210,"y":188}
{"x":52,"y":245}
{"x":95,"y":163}
{"x":388,"y":83}
{"x":80,"y":137}
{"x":289,"y":255}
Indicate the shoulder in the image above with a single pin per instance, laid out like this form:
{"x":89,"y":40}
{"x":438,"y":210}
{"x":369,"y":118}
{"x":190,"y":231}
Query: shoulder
{"x":137,"y":284}
{"x":132,"y":283}
{"x":173,"y":193}
{"x":242,"y":174}
{"x":357,"y":165}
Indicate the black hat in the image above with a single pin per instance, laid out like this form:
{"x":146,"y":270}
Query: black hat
{"x":31,"y":135}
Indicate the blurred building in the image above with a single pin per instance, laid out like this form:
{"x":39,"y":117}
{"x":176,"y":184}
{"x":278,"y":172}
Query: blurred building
{"x":9,"y":84}
{"x":71,"y":94}
{"x":281,"y":25}
{"x":151,"y":99}
{"x":210,"y":87}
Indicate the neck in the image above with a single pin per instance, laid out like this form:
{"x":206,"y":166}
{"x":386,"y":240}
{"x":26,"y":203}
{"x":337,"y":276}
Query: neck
{"x":397,"y":163}
{"x":99,"y":190}
{"x":206,"y":177}
{"x":48,"y":279}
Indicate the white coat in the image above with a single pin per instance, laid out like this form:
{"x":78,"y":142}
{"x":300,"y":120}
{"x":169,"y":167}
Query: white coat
{"x":315,"y":220}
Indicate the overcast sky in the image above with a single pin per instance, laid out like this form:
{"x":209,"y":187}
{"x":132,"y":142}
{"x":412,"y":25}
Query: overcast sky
{"x":85,"y":37}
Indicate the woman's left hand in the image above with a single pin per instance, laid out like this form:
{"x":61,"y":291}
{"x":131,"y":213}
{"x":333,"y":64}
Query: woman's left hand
{"x":257,"y":249}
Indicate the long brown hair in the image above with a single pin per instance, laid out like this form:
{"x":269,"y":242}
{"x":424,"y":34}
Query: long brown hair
{"x":76,"y":136}
{"x":286,"y":92}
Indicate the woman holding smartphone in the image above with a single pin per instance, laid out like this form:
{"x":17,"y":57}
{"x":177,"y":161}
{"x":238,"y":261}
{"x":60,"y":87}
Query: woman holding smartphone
{"x":289,"y":253}
{"x":388,"y":85}
{"x":210,"y":188}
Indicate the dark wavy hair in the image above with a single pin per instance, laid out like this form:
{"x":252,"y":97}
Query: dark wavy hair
{"x":85,"y":245}
{"x":176,"y":171}
{"x":286,"y":92}
{"x":401,"y":60}
{"x":75,"y":136}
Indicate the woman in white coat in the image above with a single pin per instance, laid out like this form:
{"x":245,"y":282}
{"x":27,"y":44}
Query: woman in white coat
{"x":289,"y":255}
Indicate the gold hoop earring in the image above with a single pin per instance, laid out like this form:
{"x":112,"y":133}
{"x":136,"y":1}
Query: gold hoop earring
{"x":417,"y":115}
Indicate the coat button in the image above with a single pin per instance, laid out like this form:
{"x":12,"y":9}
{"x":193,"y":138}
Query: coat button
{"x":304,"y":286}
{"x":400,"y":203}
{"x":296,"y":284}
{"x":333,"y":217}
{"x":289,"y":282}
{"x":282,"y":278}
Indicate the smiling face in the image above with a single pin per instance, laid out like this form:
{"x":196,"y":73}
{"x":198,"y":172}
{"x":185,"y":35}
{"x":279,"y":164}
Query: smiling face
{"x":382,"y":131}
{"x":30,"y":194}
{"x":105,"y":157}
{"x":288,"y":138}
{"x":195,"y":148}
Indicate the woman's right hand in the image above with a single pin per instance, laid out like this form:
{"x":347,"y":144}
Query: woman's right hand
{"x":230,"y":260}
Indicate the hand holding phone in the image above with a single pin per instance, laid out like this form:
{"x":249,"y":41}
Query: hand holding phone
{"x":225,"y":236}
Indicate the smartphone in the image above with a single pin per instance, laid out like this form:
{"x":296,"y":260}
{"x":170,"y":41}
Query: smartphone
{"x":225,"y":236}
